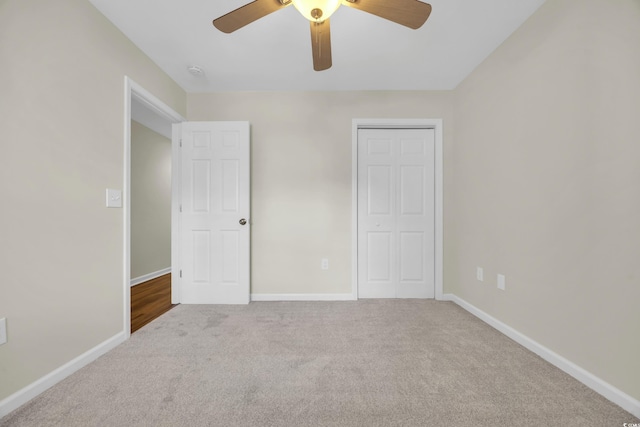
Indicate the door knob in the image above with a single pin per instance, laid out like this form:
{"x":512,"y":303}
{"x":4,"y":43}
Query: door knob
{"x":242,"y":221}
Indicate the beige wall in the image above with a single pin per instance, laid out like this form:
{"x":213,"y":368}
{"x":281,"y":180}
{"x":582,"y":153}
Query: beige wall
{"x":150,"y":201}
{"x":301,"y":176}
{"x":547,"y":177}
{"x":62,"y":109}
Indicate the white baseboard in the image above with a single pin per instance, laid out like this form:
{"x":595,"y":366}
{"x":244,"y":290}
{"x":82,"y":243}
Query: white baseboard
{"x":21,"y":397}
{"x":302,"y":297}
{"x":595,"y":383}
{"x":150,"y":276}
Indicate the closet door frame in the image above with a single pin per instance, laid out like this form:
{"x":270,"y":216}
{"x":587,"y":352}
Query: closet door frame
{"x":436,"y":125}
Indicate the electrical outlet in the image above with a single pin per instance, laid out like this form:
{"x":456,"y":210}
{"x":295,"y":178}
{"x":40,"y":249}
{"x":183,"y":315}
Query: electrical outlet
{"x":501,"y":281}
{"x":114,"y":198}
{"x":480,"y":274}
{"x":324,"y":264}
{"x":3,"y":331}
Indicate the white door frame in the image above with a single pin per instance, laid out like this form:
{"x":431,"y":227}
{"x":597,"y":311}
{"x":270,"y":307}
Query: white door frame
{"x":134,"y":91}
{"x":435,"y":124}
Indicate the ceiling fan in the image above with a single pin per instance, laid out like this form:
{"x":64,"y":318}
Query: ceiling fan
{"x":410,"y":13}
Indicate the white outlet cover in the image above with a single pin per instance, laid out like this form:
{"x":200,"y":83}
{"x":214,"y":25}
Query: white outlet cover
{"x":3,"y":331}
{"x":114,"y":198}
{"x":480,"y":274}
{"x":501,"y":281}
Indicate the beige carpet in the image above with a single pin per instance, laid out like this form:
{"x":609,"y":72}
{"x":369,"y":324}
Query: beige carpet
{"x":365,"y":363}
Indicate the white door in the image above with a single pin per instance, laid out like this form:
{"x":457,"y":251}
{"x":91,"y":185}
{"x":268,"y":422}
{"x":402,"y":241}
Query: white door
{"x":214,"y":222}
{"x":396,"y":213}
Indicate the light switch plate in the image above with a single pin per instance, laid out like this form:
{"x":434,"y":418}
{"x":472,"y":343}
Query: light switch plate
{"x":480,"y":274}
{"x":114,"y":198}
{"x":3,"y":331}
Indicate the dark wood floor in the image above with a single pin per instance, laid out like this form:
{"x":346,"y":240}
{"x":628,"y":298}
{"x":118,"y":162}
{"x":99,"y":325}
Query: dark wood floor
{"x":149,"y":300}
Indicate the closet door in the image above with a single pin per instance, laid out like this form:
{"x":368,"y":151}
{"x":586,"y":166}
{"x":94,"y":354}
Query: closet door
{"x":396,"y":218}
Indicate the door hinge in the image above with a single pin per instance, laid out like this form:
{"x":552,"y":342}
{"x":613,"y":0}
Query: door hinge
{"x":180,"y":142}
{"x":180,"y":207}
{"x":180,"y":273}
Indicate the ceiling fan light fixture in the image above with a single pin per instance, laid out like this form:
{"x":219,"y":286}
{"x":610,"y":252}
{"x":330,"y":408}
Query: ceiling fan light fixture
{"x":316,"y":10}
{"x":410,"y":13}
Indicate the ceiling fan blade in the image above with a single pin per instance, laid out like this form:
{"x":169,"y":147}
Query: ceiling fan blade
{"x":410,"y":13}
{"x":321,"y":45}
{"x":248,"y":13}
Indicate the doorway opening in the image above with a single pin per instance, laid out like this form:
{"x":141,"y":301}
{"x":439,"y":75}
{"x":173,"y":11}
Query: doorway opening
{"x":434,"y":127}
{"x":148,"y":110}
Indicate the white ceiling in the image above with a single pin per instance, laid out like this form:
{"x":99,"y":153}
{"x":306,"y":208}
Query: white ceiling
{"x":274,"y":53}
